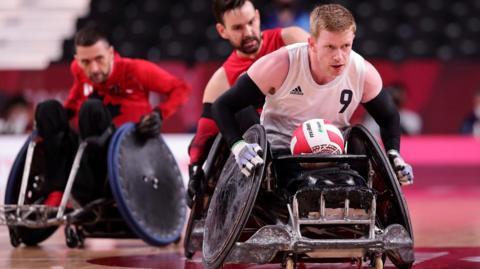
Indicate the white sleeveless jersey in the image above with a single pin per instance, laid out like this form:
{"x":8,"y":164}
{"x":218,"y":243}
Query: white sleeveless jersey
{"x":300,"y":98}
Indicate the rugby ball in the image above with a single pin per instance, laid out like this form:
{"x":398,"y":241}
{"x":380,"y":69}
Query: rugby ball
{"x":317,"y":136}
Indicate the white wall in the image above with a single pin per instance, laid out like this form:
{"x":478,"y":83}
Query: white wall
{"x":10,"y":145}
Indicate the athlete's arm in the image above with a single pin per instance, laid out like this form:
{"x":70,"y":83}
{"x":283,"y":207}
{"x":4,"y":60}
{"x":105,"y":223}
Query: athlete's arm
{"x":216,"y":86}
{"x":294,"y":34}
{"x":381,"y":107}
{"x":384,"y":111}
{"x":262,"y":78}
{"x":206,"y":126}
{"x":159,"y":80}
{"x":244,"y":93}
{"x":202,"y":140}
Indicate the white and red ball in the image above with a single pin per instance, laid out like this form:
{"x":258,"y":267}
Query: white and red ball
{"x":317,"y":136}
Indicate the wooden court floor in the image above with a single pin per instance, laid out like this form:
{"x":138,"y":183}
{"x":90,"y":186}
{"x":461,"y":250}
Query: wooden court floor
{"x":446,"y":223}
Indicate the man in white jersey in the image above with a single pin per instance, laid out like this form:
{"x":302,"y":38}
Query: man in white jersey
{"x":323,"y":78}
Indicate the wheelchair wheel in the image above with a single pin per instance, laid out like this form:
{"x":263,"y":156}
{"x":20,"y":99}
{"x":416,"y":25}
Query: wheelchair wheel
{"x":18,"y":235}
{"x":14,"y":237}
{"x":231,"y":204}
{"x":391,"y":204}
{"x":195,"y":214}
{"x":74,"y":237}
{"x":145,"y":180}
{"x":216,"y":159}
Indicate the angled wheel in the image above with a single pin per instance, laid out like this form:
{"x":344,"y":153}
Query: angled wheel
{"x":147,"y":186}
{"x":18,"y":235}
{"x":217,"y":156}
{"x":231,"y":204}
{"x":391,"y":204}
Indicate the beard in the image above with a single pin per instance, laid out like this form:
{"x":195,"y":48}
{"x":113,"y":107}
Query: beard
{"x":249,"y":45}
{"x":98,"y":77}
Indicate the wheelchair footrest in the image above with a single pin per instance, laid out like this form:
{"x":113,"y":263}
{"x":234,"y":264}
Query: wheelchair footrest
{"x":316,"y":211}
{"x":334,"y":203}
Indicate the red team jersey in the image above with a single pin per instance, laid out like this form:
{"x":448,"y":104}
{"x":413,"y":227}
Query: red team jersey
{"x":235,"y":65}
{"x":126,"y":91}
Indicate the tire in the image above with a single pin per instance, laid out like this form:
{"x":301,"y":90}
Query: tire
{"x":28,"y":236}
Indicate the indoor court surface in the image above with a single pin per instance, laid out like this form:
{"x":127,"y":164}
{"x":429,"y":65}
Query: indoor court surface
{"x":444,"y":211}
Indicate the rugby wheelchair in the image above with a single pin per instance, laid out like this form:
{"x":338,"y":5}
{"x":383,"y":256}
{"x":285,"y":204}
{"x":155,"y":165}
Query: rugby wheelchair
{"x":142,"y":197}
{"x":309,"y":208}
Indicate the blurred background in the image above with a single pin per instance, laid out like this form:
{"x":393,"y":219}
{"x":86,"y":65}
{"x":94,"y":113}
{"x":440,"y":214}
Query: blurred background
{"x":427,"y":50}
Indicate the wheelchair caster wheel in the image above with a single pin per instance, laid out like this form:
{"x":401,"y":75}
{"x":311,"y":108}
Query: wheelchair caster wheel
{"x":70,"y":237}
{"x":73,"y":238}
{"x":15,"y":240}
{"x":81,"y":237}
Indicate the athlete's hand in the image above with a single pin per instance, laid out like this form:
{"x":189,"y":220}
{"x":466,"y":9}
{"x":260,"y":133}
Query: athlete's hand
{"x":247,"y":156}
{"x":404,"y":170}
{"x":149,"y":125}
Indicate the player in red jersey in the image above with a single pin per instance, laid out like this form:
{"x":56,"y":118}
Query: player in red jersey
{"x":123,"y":84}
{"x":238,"y":22}
{"x":108,"y":90}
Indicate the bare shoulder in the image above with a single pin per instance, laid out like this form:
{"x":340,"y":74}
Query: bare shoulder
{"x":270,"y":71}
{"x":216,"y":86}
{"x":373,"y":82}
{"x":294,"y":34}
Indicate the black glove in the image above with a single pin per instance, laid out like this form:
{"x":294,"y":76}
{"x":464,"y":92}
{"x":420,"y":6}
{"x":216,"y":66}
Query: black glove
{"x":149,"y":125}
{"x":197,"y":177}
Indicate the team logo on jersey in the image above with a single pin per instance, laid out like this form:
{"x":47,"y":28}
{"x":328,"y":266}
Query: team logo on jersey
{"x":87,"y":89}
{"x":297,"y":91}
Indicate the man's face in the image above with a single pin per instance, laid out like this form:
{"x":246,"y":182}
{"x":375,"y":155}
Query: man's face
{"x":241,"y":26}
{"x":96,"y":60}
{"x":331,"y":51}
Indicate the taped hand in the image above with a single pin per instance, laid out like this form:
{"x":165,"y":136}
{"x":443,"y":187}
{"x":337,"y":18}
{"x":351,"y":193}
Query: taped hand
{"x":247,"y":156}
{"x":403,"y":170}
